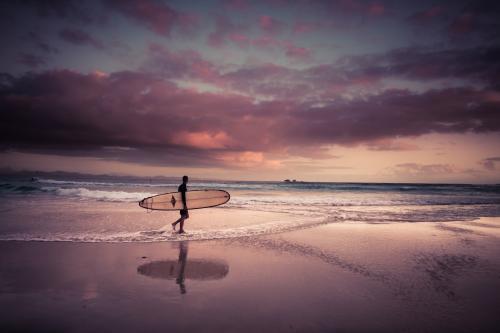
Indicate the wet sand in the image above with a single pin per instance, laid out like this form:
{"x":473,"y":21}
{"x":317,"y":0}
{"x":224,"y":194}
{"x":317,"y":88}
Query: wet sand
{"x":342,"y":277}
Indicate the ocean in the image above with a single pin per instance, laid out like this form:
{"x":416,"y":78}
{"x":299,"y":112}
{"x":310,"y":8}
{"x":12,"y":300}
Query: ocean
{"x":105,"y":209}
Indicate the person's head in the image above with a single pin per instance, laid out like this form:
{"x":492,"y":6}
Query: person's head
{"x":185,"y":179}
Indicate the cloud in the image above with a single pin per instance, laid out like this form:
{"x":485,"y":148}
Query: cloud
{"x":427,"y":15}
{"x":368,"y":74}
{"x":62,"y":9}
{"x":238,"y":5}
{"x":40,"y":43}
{"x":302,"y":27}
{"x":355,"y":7}
{"x":179,"y":64}
{"x":479,"y":18}
{"x":478,"y":63}
{"x":73,"y":113}
{"x":203,"y":140}
{"x":298,"y":53}
{"x":31,"y":60}
{"x":390,"y":145}
{"x":227,"y":31}
{"x":76,"y":113}
{"x":490,"y":163}
{"x":423,"y":170}
{"x":270,"y":25}
{"x":376,"y":9}
{"x":224,"y":27}
{"x":156,"y":16}
{"x":80,"y":37}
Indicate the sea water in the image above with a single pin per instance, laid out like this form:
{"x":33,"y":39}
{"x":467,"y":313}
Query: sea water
{"x":104,"y":208}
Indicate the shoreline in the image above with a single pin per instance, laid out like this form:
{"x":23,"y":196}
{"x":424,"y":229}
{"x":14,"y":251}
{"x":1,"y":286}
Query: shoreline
{"x":414,"y":277}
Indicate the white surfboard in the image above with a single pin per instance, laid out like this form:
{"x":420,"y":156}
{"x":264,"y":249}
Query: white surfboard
{"x":194,"y":200}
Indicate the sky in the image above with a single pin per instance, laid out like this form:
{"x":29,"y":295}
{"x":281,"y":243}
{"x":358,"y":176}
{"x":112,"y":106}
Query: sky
{"x":313,"y":90}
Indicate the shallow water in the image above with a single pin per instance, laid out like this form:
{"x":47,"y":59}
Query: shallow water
{"x":105,"y":209}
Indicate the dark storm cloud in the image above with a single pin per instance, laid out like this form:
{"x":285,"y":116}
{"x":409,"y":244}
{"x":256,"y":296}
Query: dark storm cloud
{"x":68,"y":111}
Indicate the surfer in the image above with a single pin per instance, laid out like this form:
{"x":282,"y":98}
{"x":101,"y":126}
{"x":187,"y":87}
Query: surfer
{"x":184,"y":212}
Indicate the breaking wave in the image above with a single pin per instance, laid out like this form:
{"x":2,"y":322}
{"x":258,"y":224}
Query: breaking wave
{"x":99,"y":195}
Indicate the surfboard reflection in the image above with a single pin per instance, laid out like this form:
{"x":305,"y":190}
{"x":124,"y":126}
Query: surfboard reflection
{"x":182,"y":269}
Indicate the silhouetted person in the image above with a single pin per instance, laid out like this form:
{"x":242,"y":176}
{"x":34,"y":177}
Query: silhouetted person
{"x":183,"y":252}
{"x":184,"y":211}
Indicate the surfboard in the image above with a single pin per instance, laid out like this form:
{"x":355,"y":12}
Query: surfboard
{"x":195,"y":269}
{"x":194,"y":200}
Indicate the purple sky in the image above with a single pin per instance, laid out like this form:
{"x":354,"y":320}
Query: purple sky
{"x":344,"y":90}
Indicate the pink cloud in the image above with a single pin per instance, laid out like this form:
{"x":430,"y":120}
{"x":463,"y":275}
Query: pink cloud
{"x":203,"y":140}
{"x":188,"y":24}
{"x":239,"y":39}
{"x":390,"y":145}
{"x":224,"y":27}
{"x":270,"y":25}
{"x":376,"y":8}
{"x":247,"y":159}
{"x":267,"y":43}
{"x":180,"y":64}
{"x":490,"y":163}
{"x":305,"y":27}
{"x":226,"y":31}
{"x":144,"y":112}
{"x":298,"y":53}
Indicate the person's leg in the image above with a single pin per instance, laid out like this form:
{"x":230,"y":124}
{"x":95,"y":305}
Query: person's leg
{"x":175,"y":223}
{"x":181,"y":229}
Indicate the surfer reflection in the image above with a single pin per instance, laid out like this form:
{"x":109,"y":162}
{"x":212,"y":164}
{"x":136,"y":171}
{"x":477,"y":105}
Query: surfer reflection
{"x":183,"y":253}
{"x":181,"y":269}
{"x":184,"y":211}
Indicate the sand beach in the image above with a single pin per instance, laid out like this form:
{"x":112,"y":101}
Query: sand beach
{"x":342,"y":277}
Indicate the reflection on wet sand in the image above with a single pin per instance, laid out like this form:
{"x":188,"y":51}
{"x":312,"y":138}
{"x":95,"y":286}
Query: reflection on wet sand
{"x":182,"y":269}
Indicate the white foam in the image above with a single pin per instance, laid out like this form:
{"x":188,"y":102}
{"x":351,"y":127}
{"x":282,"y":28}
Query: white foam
{"x":162,"y":235}
{"x":114,"y":196}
